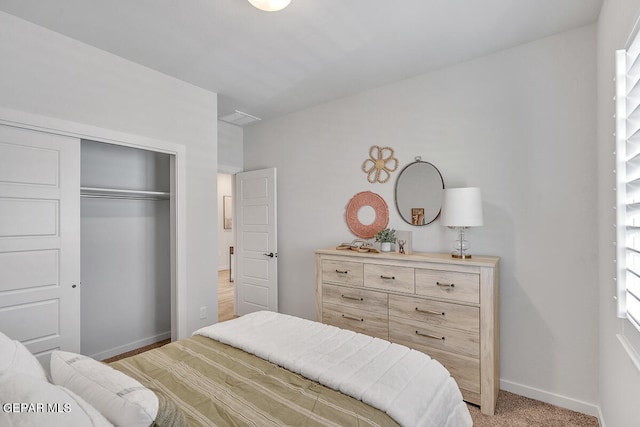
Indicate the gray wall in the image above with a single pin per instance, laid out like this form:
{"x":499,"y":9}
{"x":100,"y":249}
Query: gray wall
{"x":230,"y":152}
{"x":519,"y":124}
{"x":230,"y":161}
{"x":125,"y":251}
{"x":46,"y":74}
{"x":619,"y":377}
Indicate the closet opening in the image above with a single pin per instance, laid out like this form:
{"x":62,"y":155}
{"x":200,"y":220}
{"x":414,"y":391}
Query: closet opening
{"x":127,"y":264}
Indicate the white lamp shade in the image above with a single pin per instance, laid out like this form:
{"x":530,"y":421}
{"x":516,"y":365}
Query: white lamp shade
{"x":461,"y":207}
{"x":270,"y":5}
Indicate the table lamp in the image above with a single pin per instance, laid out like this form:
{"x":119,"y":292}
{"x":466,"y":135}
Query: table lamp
{"x":461,"y":208}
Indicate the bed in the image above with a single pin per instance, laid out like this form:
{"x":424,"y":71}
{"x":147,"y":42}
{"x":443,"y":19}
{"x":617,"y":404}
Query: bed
{"x":203,"y":382}
{"x":266,"y":369}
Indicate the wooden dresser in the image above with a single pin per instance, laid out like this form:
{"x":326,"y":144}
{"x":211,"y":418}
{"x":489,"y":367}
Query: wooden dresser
{"x":444,"y":307}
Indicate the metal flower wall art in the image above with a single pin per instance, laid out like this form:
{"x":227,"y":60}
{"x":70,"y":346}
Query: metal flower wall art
{"x":380,"y":164}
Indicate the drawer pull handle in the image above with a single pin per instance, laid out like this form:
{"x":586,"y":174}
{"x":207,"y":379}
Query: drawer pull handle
{"x":341,"y":272}
{"x":344,"y":316}
{"x":388,"y":277}
{"x":353,"y":298}
{"x":445,"y":285}
{"x":437,"y":313}
{"x":435,"y":337}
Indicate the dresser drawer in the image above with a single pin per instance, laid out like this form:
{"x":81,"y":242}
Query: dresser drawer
{"x":344,"y":272}
{"x":366,"y":322}
{"x":465,"y":370}
{"x":355,"y":297}
{"x":413,"y":333}
{"x":436,"y":312}
{"x":451,"y":285}
{"x":390,"y":278}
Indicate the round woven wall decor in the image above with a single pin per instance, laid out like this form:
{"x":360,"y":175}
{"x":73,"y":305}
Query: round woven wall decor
{"x":367,"y":198}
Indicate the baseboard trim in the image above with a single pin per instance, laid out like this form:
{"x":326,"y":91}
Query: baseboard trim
{"x":553,"y":398}
{"x":115,"y":351}
{"x":601,"y":418}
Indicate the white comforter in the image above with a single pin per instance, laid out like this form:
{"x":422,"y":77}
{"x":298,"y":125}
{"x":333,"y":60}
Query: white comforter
{"x":408,"y":385}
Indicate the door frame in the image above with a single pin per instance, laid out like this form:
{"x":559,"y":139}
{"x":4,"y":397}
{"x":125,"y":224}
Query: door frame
{"x":231,"y":170}
{"x":57,"y":126}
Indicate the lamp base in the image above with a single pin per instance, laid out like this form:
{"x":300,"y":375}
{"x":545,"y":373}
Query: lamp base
{"x":461,"y":245}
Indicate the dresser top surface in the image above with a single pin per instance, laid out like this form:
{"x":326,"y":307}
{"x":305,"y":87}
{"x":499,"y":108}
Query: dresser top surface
{"x":483,"y":261}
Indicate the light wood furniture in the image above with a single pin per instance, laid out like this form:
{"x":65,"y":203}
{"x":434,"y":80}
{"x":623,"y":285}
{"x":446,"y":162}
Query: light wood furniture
{"x":444,"y":307}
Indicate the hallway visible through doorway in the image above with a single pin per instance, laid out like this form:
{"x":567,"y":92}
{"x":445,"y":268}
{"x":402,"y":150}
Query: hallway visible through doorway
{"x":225,"y":296}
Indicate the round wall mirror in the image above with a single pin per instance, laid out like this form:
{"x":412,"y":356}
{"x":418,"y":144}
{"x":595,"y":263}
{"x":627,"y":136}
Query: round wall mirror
{"x":418,"y":193}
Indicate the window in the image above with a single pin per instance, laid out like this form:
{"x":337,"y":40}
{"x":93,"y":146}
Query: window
{"x":627,"y":116}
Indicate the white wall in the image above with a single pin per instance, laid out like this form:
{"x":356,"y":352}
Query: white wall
{"x":230,"y":161}
{"x":230,"y":152}
{"x":50,"y":75}
{"x":519,"y":124}
{"x":226,"y":237}
{"x":619,"y":377}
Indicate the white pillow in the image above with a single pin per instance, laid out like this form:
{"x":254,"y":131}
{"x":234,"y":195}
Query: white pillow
{"x":120,"y":398}
{"x":28,"y":401}
{"x":16,"y":358}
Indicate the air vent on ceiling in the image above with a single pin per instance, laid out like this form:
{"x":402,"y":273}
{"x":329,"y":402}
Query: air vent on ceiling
{"x":239,"y":118}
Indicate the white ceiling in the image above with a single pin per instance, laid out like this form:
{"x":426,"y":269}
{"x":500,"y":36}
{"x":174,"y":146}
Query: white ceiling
{"x":271,"y":63}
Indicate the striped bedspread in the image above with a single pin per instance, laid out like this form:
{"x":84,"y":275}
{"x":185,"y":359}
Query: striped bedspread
{"x":409,"y":386}
{"x":202,"y":382}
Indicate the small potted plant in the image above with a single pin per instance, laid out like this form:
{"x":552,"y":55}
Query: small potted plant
{"x":386,"y":237}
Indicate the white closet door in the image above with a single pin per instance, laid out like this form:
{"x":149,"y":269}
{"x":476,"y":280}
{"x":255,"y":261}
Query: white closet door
{"x":39,"y":240}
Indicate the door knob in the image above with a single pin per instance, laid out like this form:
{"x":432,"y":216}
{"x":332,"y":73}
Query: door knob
{"x":270,"y":255}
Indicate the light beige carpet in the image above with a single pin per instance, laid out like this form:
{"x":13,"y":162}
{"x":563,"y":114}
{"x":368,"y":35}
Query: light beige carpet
{"x":513,"y":410}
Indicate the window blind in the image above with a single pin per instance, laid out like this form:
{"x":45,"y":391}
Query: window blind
{"x":627,"y":116}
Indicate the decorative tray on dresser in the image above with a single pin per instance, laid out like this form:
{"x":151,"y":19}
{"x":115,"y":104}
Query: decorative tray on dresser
{"x":442,"y":306}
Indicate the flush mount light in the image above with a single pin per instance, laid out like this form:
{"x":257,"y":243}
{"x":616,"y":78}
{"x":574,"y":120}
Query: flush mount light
{"x":270,"y":5}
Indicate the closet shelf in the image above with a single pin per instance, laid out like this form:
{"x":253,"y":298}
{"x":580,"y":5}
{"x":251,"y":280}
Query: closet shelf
{"x":115,"y":193}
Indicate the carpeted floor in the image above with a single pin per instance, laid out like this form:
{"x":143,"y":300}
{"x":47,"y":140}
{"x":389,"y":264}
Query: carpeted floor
{"x":513,"y":410}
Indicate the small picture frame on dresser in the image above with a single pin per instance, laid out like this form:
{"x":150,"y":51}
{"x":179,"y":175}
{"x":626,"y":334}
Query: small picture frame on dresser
{"x":407,"y":238}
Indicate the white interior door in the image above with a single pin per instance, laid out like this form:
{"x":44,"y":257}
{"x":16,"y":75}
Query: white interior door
{"x":39,"y":240}
{"x":256,"y":239}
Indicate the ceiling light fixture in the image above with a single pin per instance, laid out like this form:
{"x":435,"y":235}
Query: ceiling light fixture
{"x":270,"y":5}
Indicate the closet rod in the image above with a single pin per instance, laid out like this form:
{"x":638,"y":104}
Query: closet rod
{"x":114,"y":193}
{"x":113,"y":197}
